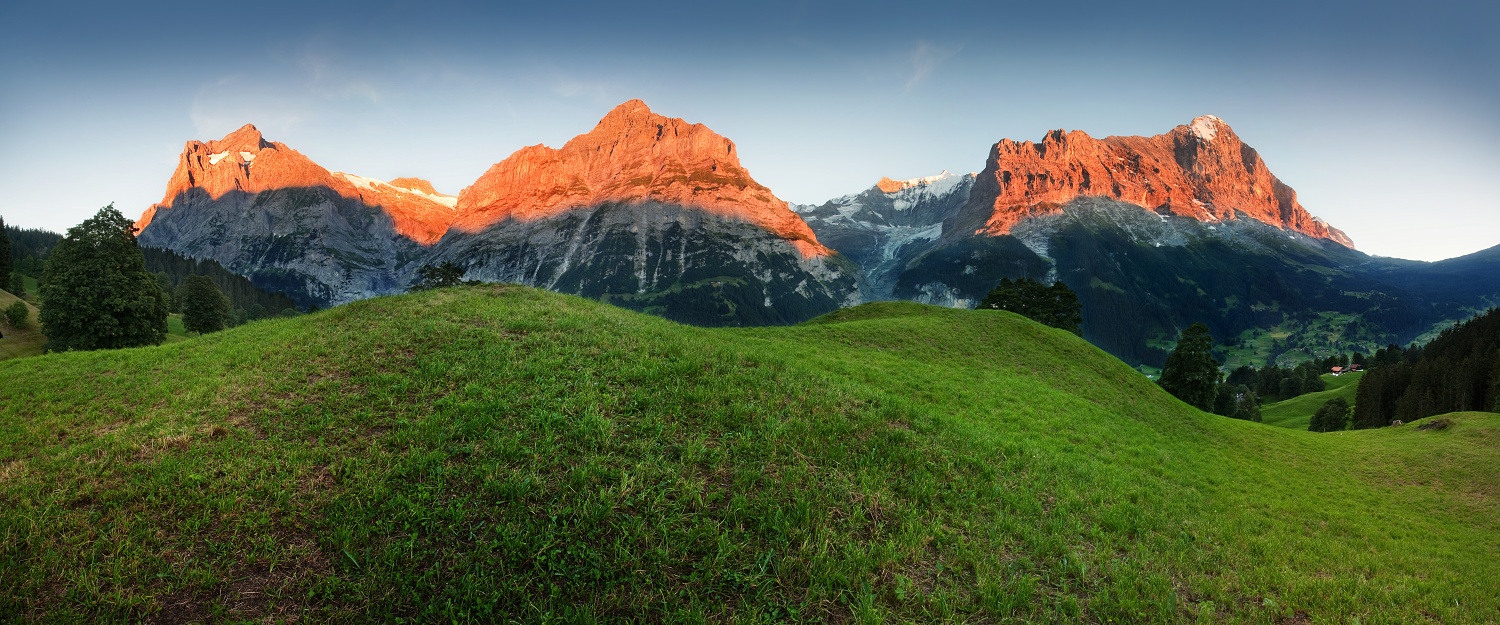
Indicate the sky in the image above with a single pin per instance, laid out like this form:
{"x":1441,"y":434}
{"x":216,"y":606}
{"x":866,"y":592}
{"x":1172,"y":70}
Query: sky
{"x":1383,"y":115}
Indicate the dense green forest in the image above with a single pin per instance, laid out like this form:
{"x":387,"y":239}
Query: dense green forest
{"x":1459,"y":370}
{"x":247,"y":301}
{"x":1275,"y":383}
{"x":30,"y":248}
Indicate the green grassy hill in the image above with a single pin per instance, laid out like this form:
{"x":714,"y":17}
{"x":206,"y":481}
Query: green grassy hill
{"x":502,"y":453}
{"x":20,"y":343}
{"x":1296,"y":412}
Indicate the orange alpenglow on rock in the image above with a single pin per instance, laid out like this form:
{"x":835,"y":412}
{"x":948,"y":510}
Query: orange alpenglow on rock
{"x":631,"y":156}
{"x":244,"y":162}
{"x":1200,"y":170}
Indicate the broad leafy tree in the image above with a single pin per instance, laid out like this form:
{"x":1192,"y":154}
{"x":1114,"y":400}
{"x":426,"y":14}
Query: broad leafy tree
{"x":1331,"y":417}
{"x":438,"y":276}
{"x":96,"y":291}
{"x":1055,"y":305}
{"x":204,"y":308}
{"x":16,"y":315}
{"x":1191,"y":373}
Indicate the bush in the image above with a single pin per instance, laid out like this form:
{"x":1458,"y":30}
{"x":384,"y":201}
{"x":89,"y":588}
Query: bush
{"x":17,"y":314}
{"x":1332,"y":417}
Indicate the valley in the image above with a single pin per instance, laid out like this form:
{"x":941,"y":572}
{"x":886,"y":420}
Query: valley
{"x":657,"y":214}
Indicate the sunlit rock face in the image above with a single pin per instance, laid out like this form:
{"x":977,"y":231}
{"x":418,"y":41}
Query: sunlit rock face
{"x":1199,"y":170}
{"x":644,"y":211}
{"x":632,"y":155}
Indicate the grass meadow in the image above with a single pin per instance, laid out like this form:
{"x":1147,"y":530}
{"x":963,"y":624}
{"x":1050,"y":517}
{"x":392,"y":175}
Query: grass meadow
{"x":501,"y":453}
{"x":1297,"y":412}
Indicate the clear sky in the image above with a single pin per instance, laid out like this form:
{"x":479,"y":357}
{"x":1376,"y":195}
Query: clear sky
{"x":1383,"y":115}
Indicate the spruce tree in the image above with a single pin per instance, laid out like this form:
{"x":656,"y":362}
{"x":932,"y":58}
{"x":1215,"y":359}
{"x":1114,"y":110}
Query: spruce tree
{"x":17,"y":284}
{"x":1191,"y":373}
{"x":6,"y":264}
{"x":1247,"y":405}
{"x":96,"y":290}
{"x":204,"y":308}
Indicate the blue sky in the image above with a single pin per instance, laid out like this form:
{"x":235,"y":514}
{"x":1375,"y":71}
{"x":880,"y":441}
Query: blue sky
{"x":1382,"y":115}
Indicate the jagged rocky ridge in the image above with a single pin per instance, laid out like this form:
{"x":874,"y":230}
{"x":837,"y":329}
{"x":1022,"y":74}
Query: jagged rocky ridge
{"x":1154,"y":234}
{"x":657,"y":214}
{"x":645,"y":211}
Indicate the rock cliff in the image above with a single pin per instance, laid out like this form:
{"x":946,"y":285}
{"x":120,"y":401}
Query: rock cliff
{"x":1199,"y":170}
{"x":645,"y":211}
{"x":632,"y":155}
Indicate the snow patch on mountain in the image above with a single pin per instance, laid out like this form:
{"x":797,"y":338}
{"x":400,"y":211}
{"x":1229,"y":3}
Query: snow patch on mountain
{"x":1206,"y":127}
{"x":940,"y":184}
{"x":379,"y":185}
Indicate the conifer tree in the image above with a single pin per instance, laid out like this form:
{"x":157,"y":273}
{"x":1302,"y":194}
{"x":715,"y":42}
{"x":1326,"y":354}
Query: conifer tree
{"x":1191,"y":373}
{"x":96,"y":291}
{"x":6,"y":264}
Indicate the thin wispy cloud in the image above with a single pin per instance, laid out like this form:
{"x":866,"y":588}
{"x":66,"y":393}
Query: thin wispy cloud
{"x":232,"y":101}
{"x":569,"y":87}
{"x":924,"y":58}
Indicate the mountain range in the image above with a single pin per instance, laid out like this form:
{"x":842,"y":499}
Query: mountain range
{"x":657,"y":214}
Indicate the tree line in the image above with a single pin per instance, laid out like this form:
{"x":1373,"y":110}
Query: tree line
{"x":30,"y":249}
{"x":1459,"y":370}
{"x":1275,"y":383}
{"x":99,"y":289}
{"x":1193,"y":375}
{"x":247,"y":302}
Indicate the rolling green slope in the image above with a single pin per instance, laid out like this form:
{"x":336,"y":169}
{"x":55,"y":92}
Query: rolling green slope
{"x":1296,"y":412}
{"x":502,"y":453}
{"x":21,"y":343}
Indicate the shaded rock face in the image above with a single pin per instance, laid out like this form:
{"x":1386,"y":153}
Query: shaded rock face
{"x":1154,"y":234}
{"x":884,"y":227}
{"x":1199,"y":170}
{"x":244,"y":162}
{"x":311,"y":243}
{"x":1142,"y":277}
{"x":683,"y":264}
{"x":646,"y":211}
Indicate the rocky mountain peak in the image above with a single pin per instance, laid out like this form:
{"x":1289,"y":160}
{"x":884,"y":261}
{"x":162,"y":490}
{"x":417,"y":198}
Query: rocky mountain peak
{"x":246,"y":139}
{"x":631,"y":156}
{"x":1199,"y":170}
{"x":625,"y":111}
{"x":245,"y":163}
{"x":414,"y":184}
{"x":1206,"y":127}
